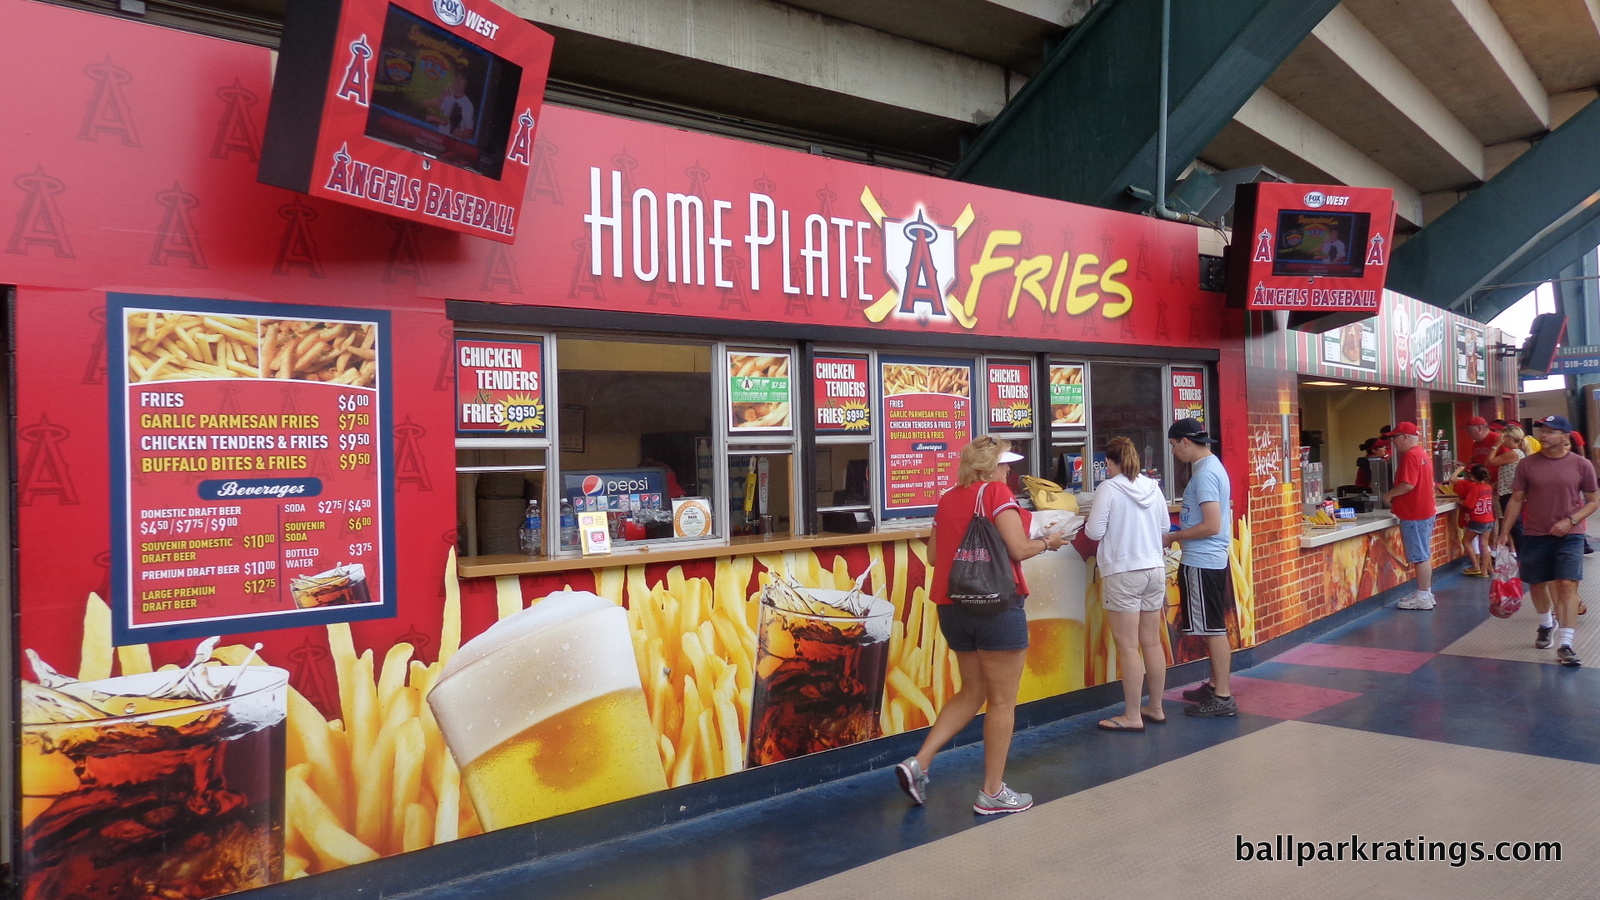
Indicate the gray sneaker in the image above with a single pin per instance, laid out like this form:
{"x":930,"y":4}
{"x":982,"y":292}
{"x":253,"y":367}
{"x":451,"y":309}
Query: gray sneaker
{"x":1007,"y":801}
{"x":913,"y":780}
{"x":1200,"y":694}
{"x":1543,"y":638}
{"x":1212,"y":708}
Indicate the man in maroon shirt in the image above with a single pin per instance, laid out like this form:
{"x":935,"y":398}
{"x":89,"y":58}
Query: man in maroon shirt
{"x":1559,"y":489}
{"x":1411,"y":501}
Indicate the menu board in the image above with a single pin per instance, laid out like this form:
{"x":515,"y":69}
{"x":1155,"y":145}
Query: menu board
{"x":1189,"y":394}
{"x":253,"y":489}
{"x":1353,"y":346}
{"x":839,"y":386}
{"x":927,"y":410}
{"x":758,"y":391}
{"x":1470,"y":368}
{"x":1066,"y":395}
{"x":500,"y":387}
{"x":1010,"y":395}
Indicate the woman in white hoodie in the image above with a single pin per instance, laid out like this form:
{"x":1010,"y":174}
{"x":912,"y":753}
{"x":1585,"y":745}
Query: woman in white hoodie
{"x":1128,"y":518}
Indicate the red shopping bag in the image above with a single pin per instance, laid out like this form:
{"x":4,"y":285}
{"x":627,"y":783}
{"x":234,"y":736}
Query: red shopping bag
{"x":1505,"y":590}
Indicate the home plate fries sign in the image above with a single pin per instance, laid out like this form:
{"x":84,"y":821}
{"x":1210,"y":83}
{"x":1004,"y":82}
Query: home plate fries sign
{"x":254,"y":486}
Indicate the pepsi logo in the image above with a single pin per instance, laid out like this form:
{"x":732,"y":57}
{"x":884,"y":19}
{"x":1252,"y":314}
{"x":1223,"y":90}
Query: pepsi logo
{"x":592,"y":485}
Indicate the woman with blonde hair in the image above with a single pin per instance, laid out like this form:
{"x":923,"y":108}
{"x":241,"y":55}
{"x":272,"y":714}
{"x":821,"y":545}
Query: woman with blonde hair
{"x":989,"y":648}
{"x":1128,"y":518}
{"x":1515,"y":446}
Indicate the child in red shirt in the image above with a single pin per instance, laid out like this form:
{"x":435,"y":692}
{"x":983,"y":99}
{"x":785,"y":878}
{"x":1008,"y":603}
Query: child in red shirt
{"x":1477,"y":516}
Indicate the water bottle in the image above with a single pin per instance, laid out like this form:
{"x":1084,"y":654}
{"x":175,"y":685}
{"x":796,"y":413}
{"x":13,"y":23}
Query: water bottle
{"x":530,"y":537}
{"x":569,"y":526}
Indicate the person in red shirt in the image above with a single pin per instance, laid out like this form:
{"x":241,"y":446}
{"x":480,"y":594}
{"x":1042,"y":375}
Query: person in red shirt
{"x":990,"y":648}
{"x":1411,"y":501}
{"x":1477,"y":516}
{"x":1485,"y":443}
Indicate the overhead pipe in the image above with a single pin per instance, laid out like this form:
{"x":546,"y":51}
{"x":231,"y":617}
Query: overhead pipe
{"x":1161,"y":209}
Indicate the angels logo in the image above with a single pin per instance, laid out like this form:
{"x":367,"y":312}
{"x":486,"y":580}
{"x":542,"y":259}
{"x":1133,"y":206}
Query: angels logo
{"x":354,"y":85}
{"x":1402,"y":339}
{"x":1263,"y":248}
{"x":921,"y":261}
{"x":1375,"y":251}
{"x":522,"y":141}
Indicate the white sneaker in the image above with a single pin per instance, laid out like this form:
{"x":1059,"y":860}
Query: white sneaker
{"x":1418,"y":600}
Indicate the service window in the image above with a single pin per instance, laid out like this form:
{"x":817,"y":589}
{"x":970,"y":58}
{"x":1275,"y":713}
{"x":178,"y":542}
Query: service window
{"x":757,"y":385}
{"x":502,"y":437}
{"x":1069,"y":425}
{"x":844,"y":427}
{"x":494,"y":485}
{"x":633,"y":414}
{"x":1129,"y":402}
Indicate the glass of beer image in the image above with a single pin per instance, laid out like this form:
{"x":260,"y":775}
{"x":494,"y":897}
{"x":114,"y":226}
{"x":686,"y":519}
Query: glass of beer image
{"x":1058,"y":585}
{"x":545,"y":715}
{"x":163,"y":784}
{"x":820,"y":666}
{"x":344,"y":585}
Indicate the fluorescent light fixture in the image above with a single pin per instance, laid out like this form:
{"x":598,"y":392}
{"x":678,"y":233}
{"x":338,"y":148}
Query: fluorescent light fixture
{"x":1325,"y":383}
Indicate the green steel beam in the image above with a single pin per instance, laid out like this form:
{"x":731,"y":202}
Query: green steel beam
{"x":1084,"y":128}
{"x":1527,"y":223}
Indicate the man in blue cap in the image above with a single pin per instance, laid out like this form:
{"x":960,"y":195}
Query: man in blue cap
{"x":1205,"y":526}
{"x":1557,"y":489}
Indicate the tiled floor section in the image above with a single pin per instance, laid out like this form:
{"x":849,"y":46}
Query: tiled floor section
{"x":1173,"y":830}
{"x":1513,"y":639}
{"x":1371,"y":659}
{"x":1402,"y":723}
{"x":1274,"y":699}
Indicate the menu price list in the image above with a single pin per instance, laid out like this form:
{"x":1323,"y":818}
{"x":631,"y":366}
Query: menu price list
{"x":256,"y":493}
{"x":928,"y":412}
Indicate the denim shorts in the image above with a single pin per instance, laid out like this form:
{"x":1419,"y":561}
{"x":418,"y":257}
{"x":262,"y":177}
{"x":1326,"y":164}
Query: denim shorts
{"x":1480,"y":527}
{"x":1417,"y":535}
{"x":1546,"y":557}
{"x":966,"y":632}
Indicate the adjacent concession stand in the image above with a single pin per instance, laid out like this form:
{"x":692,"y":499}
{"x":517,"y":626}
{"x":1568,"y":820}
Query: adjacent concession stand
{"x":339,"y":536}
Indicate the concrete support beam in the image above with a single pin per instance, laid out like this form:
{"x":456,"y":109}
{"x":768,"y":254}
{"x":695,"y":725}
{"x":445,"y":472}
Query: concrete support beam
{"x":1273,"y":119}
{"x":774,"y":42}
{"x":1393,"y":85}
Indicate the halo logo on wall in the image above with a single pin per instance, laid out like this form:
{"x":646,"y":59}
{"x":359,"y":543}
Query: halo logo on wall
{"x":450,"y":12}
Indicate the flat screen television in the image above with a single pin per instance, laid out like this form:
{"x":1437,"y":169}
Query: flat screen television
{"x":1321,"y":243}
{"x":437,"y":94}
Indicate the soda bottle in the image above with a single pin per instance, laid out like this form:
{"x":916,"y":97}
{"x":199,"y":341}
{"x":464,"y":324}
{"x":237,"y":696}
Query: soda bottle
{"x":530,"y":537}
{"x":569,"y":526}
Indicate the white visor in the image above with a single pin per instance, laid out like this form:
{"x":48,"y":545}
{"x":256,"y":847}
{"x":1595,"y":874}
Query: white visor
{"x":1009,"y":457}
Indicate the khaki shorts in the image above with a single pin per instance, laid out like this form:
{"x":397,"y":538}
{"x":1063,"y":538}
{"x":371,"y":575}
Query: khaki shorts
{"x":1142,"y":590}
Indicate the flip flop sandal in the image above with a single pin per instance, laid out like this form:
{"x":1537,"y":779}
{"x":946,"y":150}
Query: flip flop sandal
{"x":1108,"y":725}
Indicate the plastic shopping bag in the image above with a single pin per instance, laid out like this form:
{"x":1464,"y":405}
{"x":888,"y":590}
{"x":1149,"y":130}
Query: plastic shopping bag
{"x":1505,"y":590}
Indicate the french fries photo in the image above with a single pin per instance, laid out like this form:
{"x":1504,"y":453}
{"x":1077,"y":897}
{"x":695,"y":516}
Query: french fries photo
{"x":922,"y":379}
{"x":169,"y":346}
{"x":340,"y":352}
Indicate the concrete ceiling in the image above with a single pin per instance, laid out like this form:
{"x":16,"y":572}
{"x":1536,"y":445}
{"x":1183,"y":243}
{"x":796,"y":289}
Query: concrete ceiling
{"x":1429,"y":97}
